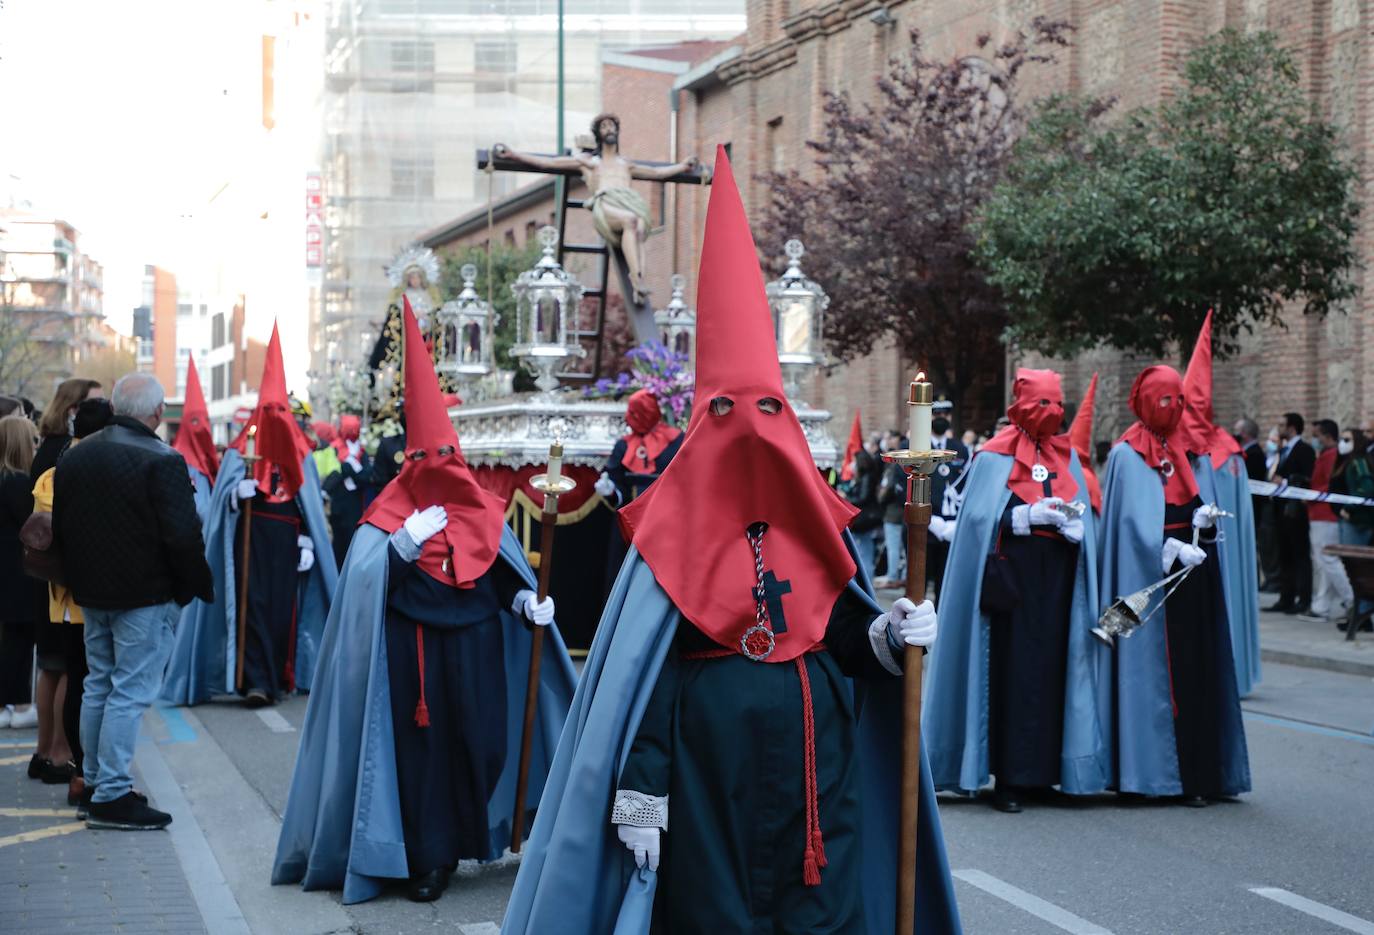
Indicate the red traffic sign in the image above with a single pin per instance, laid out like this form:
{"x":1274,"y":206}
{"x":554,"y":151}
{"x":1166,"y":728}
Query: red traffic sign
{"x":242,"y":414}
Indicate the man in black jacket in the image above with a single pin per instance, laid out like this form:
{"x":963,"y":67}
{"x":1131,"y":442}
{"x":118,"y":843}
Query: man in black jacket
{"x":1266,"y":529}
{"x":1297,"y":459}
{"x":125,"y":524}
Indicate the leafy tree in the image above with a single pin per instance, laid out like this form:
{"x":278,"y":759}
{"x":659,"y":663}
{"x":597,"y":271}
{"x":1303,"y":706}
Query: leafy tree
{"x":886,"y":219}
{"x":1230,"y":195}
{"x":28,"y":353}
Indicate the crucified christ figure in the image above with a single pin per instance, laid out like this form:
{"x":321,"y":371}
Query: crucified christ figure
{"x":620,"y":213}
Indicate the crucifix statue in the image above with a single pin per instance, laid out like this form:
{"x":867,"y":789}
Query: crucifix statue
{"x":620,"y":213}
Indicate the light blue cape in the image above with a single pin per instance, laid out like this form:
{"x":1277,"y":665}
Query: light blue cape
{"x":1237,"y":549}
{"x":955,"y":722}
{"x":342,"y":827}
{"x":205,"y":651}
{"x":576,"y":876}
{"x":1132,"y":538}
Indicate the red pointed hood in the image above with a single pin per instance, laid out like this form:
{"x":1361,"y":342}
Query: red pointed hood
{"x":280,"y":444}
{"x":1033,"y":438}
{"x":742,"y":466}
{"x":852,"y":447}
{"x":1081,"y":437}
{"x":194,"y":440}
{"x":649,"y":435}
{"x":435,"y":472}
{"x":1204,"y":435}
{"x":1158,"y":401}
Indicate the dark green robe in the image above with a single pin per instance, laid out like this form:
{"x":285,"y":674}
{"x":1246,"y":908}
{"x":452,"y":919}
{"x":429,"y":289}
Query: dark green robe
{"x":723,"y":739}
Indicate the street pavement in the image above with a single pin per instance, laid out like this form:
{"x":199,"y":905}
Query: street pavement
{"x":1294,"y":856}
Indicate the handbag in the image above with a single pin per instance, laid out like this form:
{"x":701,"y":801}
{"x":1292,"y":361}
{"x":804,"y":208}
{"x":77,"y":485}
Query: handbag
{"x":40,"y":558}
{"x":1000,"y":594}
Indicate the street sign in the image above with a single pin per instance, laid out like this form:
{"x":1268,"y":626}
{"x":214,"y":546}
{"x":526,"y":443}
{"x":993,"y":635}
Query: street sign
{"x":243,"y":414}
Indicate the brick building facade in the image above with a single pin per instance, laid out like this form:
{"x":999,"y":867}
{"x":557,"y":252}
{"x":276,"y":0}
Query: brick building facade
{"x":762,"y":95}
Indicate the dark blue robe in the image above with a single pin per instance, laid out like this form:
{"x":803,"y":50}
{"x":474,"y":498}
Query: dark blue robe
{"x":204,"y":653}
{"x":343,"y":826}
{"x":956,"y":720}
{"x":576,"y":876}
{"x":1133,"y":521}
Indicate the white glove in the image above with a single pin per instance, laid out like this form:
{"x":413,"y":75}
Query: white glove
{"x":307,"y":559}
{"x":354,"y":463}
{"x":1072,"y":530}
{"x":538,"y":612}
{"x":1046,"y":512}
{"x":911,"y":623}
{"x":644,"y":842}
{"x":604,"y":485}
{"x":421,"y":526}
{"x":1169,"y":553}
{"x":247,"y":489}
{"x":1191,"y":555}
{"x":1204,"y":517}
{"x":941,"y":528}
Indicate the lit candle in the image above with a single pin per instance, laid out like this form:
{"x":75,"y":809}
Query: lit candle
{"x":251,"y":446}
{"x":920,"y":402}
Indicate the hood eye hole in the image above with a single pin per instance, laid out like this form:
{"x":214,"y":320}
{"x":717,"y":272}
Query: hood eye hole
{"x":770,"y":405}
{"x":722,"y":405}
{"x":418,"y":454}
{"x":445,"y":450}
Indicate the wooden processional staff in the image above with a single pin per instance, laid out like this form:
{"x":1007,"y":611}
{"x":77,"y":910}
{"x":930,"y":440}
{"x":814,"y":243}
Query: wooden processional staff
{"x":919,"y":462}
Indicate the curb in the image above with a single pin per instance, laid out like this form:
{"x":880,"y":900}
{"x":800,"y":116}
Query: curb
{"x":1309,"y":661}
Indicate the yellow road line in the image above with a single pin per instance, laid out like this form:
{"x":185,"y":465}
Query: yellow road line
{"x":51,"y":832}
{"x":11,"y":760}
{"x":35,"y":813}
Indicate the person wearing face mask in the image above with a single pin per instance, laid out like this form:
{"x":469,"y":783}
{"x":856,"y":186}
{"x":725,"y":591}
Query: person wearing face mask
{"x":1019,"y":688}
{"x":723,"y":762}
{"x":412,"y":739}
{"x":1331,"y":591}
{"x":1178,"y":722}
{"x":1354,"y":477}
{"x":291,"y":572}
{"x":1296,"y":462}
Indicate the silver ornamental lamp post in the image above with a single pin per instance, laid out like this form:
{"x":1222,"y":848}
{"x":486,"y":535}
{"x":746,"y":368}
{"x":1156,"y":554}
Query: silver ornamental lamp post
{"x":546,"y":301}
{"x":465,"y":328}
{"x":677,"y":324}
{"x":798,"y":306}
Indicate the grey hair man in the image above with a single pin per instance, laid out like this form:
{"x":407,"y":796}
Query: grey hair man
{"x":139,"y":396}
{"x":124,"y":522}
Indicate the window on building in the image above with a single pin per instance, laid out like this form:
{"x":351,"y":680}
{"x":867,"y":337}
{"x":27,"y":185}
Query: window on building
{"x":494,"y":61}
{"x":510,"y":237}
{"x":412,"y":176}
{"x":531,"y":230}
{"x":183,"y":310}
{"x":219,"y":379}
{"x":775,"y":147}
{"x":412,"y":65}
{"x":217,"y":330}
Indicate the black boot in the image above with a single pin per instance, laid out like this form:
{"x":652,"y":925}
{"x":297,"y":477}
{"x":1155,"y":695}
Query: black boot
{"x":1005,"y":799}
{"x":256,"y":698}
{"x":428,"y":887}
{"x":1194,"y":801}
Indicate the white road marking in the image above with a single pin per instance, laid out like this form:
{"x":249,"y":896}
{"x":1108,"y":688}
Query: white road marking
{"x":1318,"y":910}
{"x":1028,"y":902}
{"x":480,"y":928}
{"x":274,"y":721}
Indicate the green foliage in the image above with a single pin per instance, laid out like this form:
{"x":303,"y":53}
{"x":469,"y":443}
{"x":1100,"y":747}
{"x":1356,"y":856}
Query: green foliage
{"x":507,"y":263}
{"x":1230,"y":195}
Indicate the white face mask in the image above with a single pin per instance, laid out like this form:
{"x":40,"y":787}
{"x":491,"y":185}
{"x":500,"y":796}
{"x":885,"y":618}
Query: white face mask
{"x":1345,"y":447}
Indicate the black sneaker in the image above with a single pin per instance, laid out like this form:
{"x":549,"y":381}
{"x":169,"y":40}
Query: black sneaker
{"x":83,"y":807}
{"x":129,"y":812}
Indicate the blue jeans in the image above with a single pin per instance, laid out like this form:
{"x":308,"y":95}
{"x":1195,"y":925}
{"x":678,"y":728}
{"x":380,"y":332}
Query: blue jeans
{"x":126,"y":653}
{"x":894,"y":540}
{"x":867,"y":543}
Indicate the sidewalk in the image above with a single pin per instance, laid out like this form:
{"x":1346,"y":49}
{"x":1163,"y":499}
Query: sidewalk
{"x":1290,"y":639}
{"x":56,"y":876}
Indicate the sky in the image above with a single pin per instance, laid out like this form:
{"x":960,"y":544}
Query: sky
{"x":124,"y":119}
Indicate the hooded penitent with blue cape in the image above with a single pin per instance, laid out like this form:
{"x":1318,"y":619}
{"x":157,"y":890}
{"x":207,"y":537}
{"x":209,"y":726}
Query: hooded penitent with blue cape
{"x":1018,"y":685}
{"x":412,"y":737}
{"x":286,"y":606}
{"x":1236,"y":542}
{"x":715,"y":718}
{"x":1178,"y":722}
